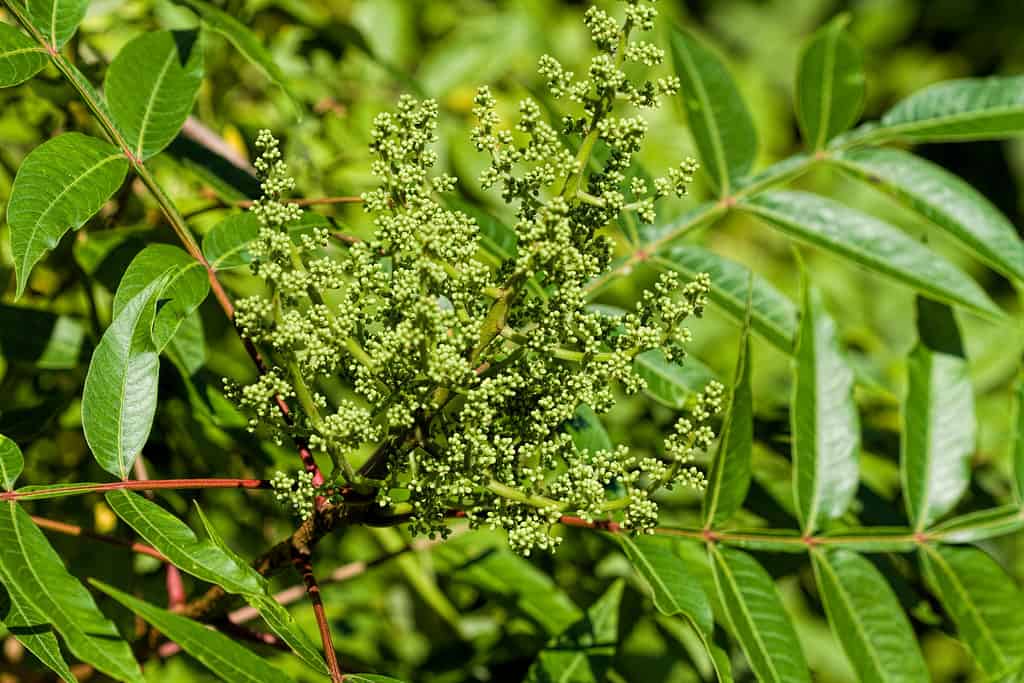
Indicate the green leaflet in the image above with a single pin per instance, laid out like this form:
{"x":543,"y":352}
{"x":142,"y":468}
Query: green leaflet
{"x":150,"y":87}
{"x":59,"y":186}
{"x":772,"y":314}
{"x":721,"y":124}
{"x":825,"y":425}
{"x":246,"y":42}
{"x":120,"y":394}
{"x":227,"y":244}
{"x":979,"y":525}
{"x":20,"y":57}
{"x":11,"y":463}
{"x":31,"y":569}
{"x":729,"y":479}
{"x":40,"y":338}
{"x":942,"y":198}
{"x":868,"y":619}
{"x":587,"y":432}
{"x":669,"y":383}
{"x":757,"y":618}
{"x":1017,"y":440}
{"x":57,"y":20}
{"x":32,"y":629}
{"x":871,"y":243}
{"x":829,"y":84}
{"x":937,"y":440}
{"x":214,"y":650}
{"x":583,"y":652}
{"x":278,"y":618}
{"x":185,"y":289}
{"x":983,"y":602}
{"x":674,"y":590}
{"x":179,"y":544}
{"x":957,"y":110}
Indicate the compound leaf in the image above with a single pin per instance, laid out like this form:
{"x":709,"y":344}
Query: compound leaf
{"x":150,"y":88}
{"x":60,"y":185}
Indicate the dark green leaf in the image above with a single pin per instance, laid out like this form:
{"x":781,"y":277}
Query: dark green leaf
{"x":721,"y":124}
{"x":31,"y":569}
{"x":583,"y":652}
{"x":829,"y":83}
{"x":150,"y":88}
{"x":772,"y":314}
{"x":958,"y":110}
{"x":938,"y":419}
{"x":867,"y":618}
{"x":674,"y":590}
{"x":826,"y":429}
{"x":869,"y":242}
{"x":119,"y":399}
{"x":59,"y":186}
{"x":729,"y":479}
{"x":587,"y":432}
{"x":11,"y":463}
{"x":20,"y":57}
{"x":184,"y":291}
{"x":227,"y":244}
{"x":757,"y":618}
{"x":942,"y":198}
{"x":178,"y":543}
{"x":984,"y":603}
{"x":44,"y":339}
{"x":33,"y":630}
{"x":188,"y":346}
{"x":214,"y":650}
{"x":57,"y":20}
{"x":246,"y":42}
{"x":669,"y":383}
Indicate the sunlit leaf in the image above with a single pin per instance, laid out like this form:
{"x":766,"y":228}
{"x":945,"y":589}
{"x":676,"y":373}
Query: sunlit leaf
{"x":11,"y":463}
{"x":57,"y":20}
{"x":670,"y":383}
{"x":829,"y":83}
{"x":674,"y":590}
{"x":33,"y":630}
{"x":20,"y":57}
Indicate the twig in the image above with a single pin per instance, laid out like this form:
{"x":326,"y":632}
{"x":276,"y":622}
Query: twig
{"x":75,"y":530}
{"x":305,"y":568}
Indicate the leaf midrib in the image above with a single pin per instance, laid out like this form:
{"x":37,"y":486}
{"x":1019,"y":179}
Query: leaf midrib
{"x":150,"y":101}
{"x":712,"y":124}
{"x":827,"y":83}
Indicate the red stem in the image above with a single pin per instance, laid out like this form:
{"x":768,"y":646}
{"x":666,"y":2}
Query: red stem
{"x":151,"y":485}
{"x":176,"y":596}
{"x":305,"y":568}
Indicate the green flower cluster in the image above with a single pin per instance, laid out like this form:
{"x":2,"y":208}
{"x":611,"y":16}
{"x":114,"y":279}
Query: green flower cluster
{"x":463,"y":376}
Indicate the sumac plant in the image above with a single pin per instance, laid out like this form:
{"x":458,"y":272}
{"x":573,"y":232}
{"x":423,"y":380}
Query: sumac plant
{"x":427,"y":366}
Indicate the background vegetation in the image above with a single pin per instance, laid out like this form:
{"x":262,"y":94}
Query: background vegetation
{"x":469,"y":610}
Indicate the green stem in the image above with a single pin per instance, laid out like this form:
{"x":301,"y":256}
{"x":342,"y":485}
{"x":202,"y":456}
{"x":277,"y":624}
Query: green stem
{"x":509,"y":493}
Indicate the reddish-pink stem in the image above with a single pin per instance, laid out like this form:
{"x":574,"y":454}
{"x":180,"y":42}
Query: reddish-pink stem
{"x":305,"y":568}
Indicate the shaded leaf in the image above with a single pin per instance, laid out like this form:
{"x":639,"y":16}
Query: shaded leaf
{"x":825,"y":425}
{"x":59,"y":186}
{"x":150,"y":87}
{"x":120,"y":394}
{"x":869,"y":242}
{"x":188,"y":346}
{"x":227,"y":244}
{"x":44,"y":339}
{"x":674,"y":590}
{"x":984,"y":603}
{"x":829,"y":83}
{"x":772,"y":314}
{"x":184,"y":291}
{"x":719,"y":120}
{"x":57,"y":20}
{"x":670,"y":383}
{"x":214,"y":650}
{"x":942,"y":198}
{"x":958,"y":110}
{"x":1017,"y":440}
{"x":583,"y":652}
{"x":246,"y":42}
{"x":20,"y":57}
{"x":33,"y":630}
{"x":588,"y":434}
{"x":937,"y":440}
{"x":729,"y":478}
{"x":11,"y":463}
{"x":757,"y":618}
{"x":31,"y":569}
{"x":868,"y":619}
